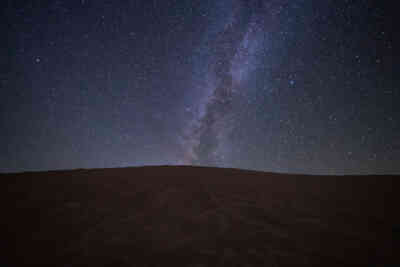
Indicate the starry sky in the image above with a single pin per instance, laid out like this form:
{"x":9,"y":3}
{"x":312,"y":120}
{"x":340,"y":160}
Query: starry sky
{"x":294,"y":86}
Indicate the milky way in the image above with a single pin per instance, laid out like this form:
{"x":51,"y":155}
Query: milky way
{"x":234,"y":53}
{"x":298,"y":86}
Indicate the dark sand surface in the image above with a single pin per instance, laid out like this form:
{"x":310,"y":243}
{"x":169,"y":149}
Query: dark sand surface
{"x":193,"y":216}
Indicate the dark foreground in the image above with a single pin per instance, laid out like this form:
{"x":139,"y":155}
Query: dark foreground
{"x":187,"y":216}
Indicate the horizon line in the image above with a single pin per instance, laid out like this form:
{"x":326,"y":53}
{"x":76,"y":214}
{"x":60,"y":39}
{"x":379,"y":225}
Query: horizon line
{"x":190,"y":166}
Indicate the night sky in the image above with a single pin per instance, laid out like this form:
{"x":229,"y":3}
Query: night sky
{"x":297,"y":86}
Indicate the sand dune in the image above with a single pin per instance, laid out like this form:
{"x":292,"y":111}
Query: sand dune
{"x":193,"y":216}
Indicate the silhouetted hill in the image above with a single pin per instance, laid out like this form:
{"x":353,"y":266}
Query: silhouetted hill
{"x":196,"y":216}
